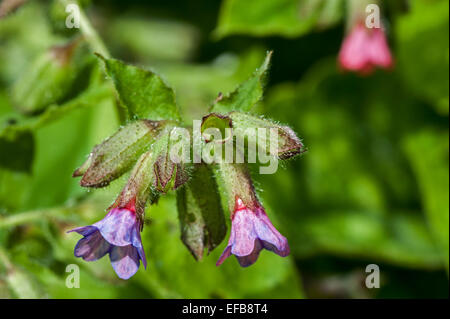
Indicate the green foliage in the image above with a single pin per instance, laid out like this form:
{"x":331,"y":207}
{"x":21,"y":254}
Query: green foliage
{"x":247,"y":94}
{"x":433,"y":148}
{"x":202,"y":221}
{"x":425,"y":29}
{"x":373,"y":187}
{"x":51,"y":78}
{"x":289,"y":18}
{"x":142,"y":92}
{"x":350,"y":193}
{"x":178,"y":39}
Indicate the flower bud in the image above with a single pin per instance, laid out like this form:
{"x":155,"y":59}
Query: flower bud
{"x":170,"y":172}
{"x":118,"y":153}
{"x":265,"y":135}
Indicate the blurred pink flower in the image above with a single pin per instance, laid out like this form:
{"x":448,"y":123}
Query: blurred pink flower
{"x":364,"y":49}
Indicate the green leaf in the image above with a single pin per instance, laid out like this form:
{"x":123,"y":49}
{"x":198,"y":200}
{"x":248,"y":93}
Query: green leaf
{"x":288,"y":18}
{"x":144,"y":94}
{"x":153,"y":39}
{"x":52,"y":78}
{"x":16,"y":132}
{"x":401,"y":239}
{"x":246,"y":95}
{"x":197,"y":84}
{"x":64,"y":135}
{"x":202,"y":221}
{"x":53,"y":113}
{"x":428,"y":153}
{"x":25,"y":34}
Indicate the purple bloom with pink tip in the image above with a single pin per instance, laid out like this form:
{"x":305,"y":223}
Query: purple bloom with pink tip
{"x":251,"y":231}
{"x":117,"y":234}
{"x":364,"y":49}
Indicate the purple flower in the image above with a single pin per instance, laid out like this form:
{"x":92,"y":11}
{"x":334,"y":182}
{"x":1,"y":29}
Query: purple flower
{"x":251,"y":231}
{"x":364,"y":49}
{"x":117,"y":234}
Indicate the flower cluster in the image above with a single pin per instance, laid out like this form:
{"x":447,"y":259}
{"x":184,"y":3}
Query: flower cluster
{"x":147,"y":149}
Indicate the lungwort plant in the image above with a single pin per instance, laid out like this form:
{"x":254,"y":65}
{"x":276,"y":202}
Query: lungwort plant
{"x":164,"y":154}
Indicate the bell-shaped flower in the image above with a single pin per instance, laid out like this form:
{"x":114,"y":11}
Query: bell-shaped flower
{"x":363,"y":49}
{"x":251,"y":231}
{"x":118,"y":234}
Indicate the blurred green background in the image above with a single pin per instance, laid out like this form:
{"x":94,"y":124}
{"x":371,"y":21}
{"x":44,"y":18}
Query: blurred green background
{"x":372,"y":188}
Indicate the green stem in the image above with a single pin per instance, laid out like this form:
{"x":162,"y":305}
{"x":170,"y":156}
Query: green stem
{"x":236,"y":181}
{"x":88,"y":31}
{"x":21,"y":218}
{"x":60,"y":212}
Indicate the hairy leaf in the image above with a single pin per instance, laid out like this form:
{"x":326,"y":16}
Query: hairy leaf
{"x":246,"y":95}
{"x":144,"y":94}
{"x":200,"y":213}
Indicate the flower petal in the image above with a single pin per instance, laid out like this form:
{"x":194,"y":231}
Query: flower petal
{"x":85,"y":230}
{"x":125,"y":260}
{"x":91,"y":247}
{"x":226,"y":253}
{"x":354,"y":54}
{"x":244,"y":232}
{"x":251,"y":258}
{"x":271,"y":238}
{"x":118,"y":227}
{"x":379,"y":51}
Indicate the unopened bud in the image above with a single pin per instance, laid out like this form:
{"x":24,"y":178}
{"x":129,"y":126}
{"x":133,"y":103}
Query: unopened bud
{"x":169,"y":174}
{"x":270,"y":137}
{"x":118,"y":153}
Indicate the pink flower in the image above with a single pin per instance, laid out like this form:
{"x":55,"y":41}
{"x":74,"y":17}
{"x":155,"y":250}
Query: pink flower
{"x":251,"y":231}
{"x":364,"y":49}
